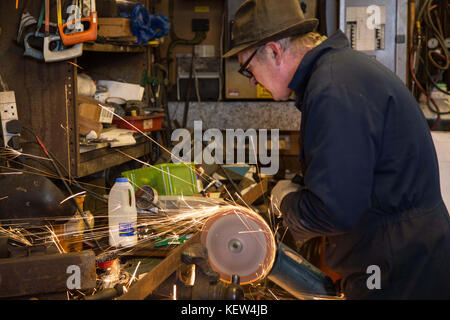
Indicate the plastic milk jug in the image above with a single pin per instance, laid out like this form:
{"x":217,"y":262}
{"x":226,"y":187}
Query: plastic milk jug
{"x":122,"y":215}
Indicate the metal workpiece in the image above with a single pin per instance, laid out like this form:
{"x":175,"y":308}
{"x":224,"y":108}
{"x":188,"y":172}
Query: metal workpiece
{"x":205,"y":290}
{"x":107,"y":294}
{"x":202,"y":289}
{"x":195,"y":280}
{"x":197,"y":255}
{"x":207,"y":285}
{"x":154,"y":278}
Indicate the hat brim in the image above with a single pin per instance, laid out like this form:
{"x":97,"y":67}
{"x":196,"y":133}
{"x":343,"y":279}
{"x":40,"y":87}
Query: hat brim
{"x":303,"y":27}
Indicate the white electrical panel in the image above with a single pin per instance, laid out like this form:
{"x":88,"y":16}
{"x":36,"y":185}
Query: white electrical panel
{"x":365,"y":27}
{"x":379,"y":29}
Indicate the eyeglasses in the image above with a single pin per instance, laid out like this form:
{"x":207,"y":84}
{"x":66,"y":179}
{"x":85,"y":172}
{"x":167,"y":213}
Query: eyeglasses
{"x":243,"y":70}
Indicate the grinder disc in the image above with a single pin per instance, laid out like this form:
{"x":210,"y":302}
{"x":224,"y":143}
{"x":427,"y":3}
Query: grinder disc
{"x":239,"y":242}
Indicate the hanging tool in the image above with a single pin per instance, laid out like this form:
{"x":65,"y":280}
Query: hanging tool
{"x":62,"y":52}
{"x":26,"y":20}
{"x":154,"y":85}
{"x":60,"y":55}
{"x":47,"y":25}
{"x":83,"y":36}
{"x":47,"y":17}
{"x":29,"y":50}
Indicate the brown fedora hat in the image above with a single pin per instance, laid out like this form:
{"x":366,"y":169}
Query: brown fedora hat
{"x":259,"y":21}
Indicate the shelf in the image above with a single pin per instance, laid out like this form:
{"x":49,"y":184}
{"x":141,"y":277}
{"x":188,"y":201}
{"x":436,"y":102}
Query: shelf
{"x":114,"y":47}
{"x":102,"y":158}
{"x":107,"y":47}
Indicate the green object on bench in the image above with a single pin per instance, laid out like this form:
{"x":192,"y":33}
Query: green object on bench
{"x":167,"y":178}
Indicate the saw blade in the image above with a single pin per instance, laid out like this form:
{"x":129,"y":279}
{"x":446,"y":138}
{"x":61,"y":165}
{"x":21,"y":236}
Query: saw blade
{"x":239,"y":242}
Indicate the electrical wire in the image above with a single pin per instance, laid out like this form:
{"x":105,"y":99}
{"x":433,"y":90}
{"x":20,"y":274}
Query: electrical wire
{"x":71,"y":181}
{"x":423,"y":91}
{"x":199,"y":37}
{"x":438,"y":33}
{"x":53,"y":161}
{"x":433,"y":30}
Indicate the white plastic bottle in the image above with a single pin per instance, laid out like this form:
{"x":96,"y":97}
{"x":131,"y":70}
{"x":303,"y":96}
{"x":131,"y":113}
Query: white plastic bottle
{"x":122,"y":215}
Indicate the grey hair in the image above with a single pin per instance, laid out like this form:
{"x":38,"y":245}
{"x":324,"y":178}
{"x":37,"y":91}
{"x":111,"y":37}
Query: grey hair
{"x":296,"y":43}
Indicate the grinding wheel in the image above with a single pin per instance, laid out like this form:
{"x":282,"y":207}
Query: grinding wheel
{"x":239,"y":242}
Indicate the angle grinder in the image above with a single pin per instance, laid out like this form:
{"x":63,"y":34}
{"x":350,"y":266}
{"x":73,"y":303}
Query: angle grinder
{"x":240,"y":242}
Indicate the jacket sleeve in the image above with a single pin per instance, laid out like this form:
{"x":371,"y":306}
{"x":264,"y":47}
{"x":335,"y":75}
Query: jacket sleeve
{"x":341,"y":130}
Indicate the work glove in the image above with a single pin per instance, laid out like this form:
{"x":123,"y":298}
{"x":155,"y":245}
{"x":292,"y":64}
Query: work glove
{"x":282,"y":189}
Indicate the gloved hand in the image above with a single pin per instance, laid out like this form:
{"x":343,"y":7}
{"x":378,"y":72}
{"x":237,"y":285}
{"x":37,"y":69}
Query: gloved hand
{"x":281,"y":189}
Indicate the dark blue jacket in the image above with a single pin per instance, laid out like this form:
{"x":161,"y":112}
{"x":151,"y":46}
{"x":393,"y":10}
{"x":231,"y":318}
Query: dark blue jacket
{"x":371,"y":177}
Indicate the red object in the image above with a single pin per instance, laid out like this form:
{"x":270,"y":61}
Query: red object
{"x":151,"y":122}
{"x":105,"y":265}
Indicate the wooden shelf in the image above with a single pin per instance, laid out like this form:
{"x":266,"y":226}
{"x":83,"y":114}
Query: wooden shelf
{"x":114,"y":47}
{"x":100,"y":159}
{"x":107,"y":47}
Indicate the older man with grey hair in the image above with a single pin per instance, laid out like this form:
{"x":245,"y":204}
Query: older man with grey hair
{"x":370,"y":177}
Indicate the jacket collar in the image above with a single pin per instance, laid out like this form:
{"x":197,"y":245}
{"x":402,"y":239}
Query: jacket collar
{"x":301,"y":77}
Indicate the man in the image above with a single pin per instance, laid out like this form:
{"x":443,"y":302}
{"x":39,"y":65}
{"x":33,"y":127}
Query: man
{"x":370,"y":172}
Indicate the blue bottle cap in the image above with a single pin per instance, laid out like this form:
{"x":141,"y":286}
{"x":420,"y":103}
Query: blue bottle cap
{"x":122,"y":180}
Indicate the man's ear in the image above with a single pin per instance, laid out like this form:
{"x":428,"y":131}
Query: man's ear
{"x":274,"y":51}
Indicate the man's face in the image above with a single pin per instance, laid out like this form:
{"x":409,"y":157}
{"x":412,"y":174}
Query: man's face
{"x":268,"y":71}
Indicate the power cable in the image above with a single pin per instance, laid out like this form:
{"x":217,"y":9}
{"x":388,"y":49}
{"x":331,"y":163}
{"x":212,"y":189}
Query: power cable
{"x":426,"y":28}
{"x":58,"y":171}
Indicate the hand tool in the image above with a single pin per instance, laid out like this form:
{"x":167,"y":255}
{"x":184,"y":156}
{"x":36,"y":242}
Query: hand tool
{"x":78,"y":37}
{"x":29,"y":50}
{"x":25,"y":20}
{"x":61,"y":53}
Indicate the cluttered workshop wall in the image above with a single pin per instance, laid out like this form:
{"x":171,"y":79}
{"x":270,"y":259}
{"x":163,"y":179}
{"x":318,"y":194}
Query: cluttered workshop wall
{"x":186,"y":16}
{"x":43,"y":91}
